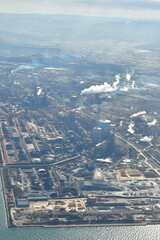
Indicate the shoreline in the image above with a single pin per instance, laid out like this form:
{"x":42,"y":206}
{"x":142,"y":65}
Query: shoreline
{"x":85,"y":225}
{"x":6,"y":210}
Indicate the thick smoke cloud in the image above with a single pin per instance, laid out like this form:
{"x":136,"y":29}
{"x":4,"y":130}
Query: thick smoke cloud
{"x":98,"y":89}
{"x":121,"y":83}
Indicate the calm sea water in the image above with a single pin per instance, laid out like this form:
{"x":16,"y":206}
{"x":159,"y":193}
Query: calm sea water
{"x":79,"y":233}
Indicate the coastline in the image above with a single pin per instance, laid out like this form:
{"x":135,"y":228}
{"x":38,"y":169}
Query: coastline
{"x":9,"y":225}
{"x":6,"y":211}
{"x":84,"y":225}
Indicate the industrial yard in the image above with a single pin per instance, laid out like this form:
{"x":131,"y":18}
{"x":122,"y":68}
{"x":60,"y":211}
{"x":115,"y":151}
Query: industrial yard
{"x":76,"y":151}
{"x":79,"y":123}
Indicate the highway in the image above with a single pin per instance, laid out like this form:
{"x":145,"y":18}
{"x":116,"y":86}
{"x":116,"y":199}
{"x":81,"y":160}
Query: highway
{"x":21,"y":165}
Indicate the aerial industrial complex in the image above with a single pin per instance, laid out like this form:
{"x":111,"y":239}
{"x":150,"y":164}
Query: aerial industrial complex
{"x":77,"y":150}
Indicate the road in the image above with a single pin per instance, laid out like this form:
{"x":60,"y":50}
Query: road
{"x":141,"y":152}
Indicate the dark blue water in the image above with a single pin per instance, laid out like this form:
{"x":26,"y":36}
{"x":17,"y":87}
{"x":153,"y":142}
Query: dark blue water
{"x":79,"y":233}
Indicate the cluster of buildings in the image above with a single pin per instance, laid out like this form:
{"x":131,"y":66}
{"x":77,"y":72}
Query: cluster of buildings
{"x":66,"y":159}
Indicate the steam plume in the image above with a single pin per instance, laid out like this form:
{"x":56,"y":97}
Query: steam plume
{"x":117,"y":79}
{"x":98,"y":89}
{"x":128,"y":77}
{"x":39,"y":91}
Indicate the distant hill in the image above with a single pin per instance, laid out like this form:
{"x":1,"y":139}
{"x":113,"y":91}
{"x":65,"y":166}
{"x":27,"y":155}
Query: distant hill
{"x":33,"y":27}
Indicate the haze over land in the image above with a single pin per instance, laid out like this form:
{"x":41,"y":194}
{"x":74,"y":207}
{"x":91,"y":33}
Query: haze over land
{"x":105,"y":8}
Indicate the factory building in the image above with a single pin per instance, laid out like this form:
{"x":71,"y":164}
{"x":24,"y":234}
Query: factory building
{"x":105,"y":126}
{"x":97,"y":135}
{"x":101,"y":132}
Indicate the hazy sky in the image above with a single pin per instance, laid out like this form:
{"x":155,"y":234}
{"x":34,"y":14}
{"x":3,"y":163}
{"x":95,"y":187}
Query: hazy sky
{"x":106,"y":8}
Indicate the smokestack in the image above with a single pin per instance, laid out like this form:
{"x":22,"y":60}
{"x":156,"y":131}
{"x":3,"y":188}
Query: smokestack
{"x":99,"y":110}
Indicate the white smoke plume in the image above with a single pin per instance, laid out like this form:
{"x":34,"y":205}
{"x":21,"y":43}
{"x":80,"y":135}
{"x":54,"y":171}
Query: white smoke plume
{"x":130,"y":128}
{"x":154,"y":122}
{"x":138,"y":114}
{"x":128,"y":77}
{"x":39,"y":91}
{"x":124,"y":89}
{"x":133,"y":84}
{"x":117,"y":80}
{"x":105,"y":95}
{"x":146,"y":139}
{"x":104,"y":88}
